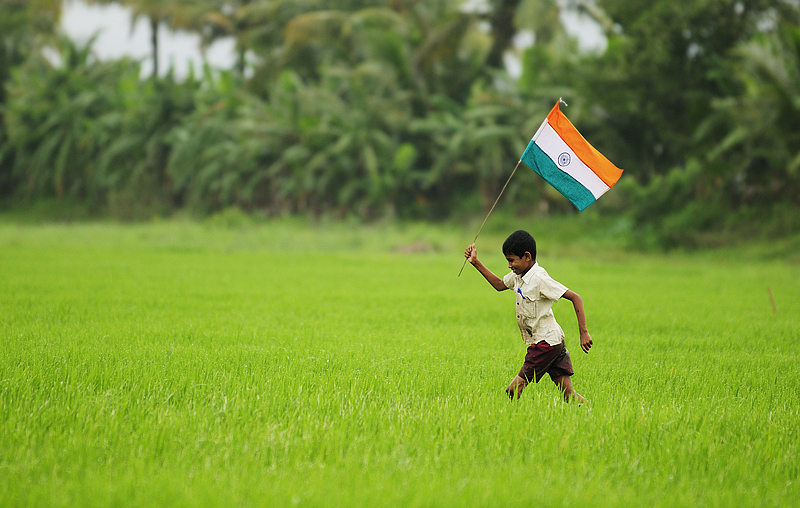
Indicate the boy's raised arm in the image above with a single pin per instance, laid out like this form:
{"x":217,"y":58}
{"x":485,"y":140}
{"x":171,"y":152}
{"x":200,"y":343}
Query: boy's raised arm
{"x":472,"y":256}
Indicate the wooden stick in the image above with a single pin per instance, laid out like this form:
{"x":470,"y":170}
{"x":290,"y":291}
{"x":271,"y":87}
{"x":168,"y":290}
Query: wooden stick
{"x":490,"y":212}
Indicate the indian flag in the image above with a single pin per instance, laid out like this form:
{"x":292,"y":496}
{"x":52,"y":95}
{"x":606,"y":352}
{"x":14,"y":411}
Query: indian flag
{"x":560,"y":155}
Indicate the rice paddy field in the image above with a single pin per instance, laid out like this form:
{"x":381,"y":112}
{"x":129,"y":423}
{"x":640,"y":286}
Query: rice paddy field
{"x":233,"y":363}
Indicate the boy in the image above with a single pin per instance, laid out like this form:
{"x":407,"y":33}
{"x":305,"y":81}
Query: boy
{"x":536,"y":291}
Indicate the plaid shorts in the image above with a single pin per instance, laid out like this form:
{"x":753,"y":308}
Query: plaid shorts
{"x":542,"y":357}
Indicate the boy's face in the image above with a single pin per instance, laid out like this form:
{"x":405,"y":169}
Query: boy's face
{"x":520,"y":265}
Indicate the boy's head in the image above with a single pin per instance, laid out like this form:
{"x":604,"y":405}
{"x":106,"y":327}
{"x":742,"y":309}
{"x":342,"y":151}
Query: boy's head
{"x":520,"y":251}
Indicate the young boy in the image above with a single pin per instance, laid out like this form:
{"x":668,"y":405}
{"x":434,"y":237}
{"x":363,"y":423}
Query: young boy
{"x":536,"y":291}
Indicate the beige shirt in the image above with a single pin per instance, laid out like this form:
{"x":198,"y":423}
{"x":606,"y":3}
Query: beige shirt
{"x":536,"y":291}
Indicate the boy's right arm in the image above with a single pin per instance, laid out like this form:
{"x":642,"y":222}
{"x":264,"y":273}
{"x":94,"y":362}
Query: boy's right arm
{"x":472,"y":256}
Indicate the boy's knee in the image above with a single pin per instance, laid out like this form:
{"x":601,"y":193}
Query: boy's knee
{"x":563,"y":382}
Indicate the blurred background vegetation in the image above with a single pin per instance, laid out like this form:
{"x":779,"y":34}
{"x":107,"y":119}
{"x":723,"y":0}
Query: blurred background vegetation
{"x":406,"y":109}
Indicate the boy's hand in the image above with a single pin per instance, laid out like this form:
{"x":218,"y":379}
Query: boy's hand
{"x":471,"y":254}
{"x":586,"y":342}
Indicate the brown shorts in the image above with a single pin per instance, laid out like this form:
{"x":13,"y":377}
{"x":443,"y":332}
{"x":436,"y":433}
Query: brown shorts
{"x":542,"y":357}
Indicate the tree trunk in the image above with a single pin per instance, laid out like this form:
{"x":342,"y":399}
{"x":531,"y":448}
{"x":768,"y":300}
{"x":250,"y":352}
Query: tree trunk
{"x":503,"y":31}
{"x":154,"y":43}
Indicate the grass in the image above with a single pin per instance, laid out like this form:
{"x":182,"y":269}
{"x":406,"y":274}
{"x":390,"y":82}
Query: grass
{"x":240,"y":363}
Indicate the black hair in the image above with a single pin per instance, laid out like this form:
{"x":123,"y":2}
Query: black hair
{"x":518,"y":243}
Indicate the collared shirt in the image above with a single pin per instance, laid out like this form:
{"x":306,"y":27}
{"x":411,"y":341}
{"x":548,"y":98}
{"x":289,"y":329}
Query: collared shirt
{"x":536,"y":291}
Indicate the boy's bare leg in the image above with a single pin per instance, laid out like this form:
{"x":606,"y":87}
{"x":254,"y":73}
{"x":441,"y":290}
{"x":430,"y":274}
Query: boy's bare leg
{"x":565,"y":384}
{"x":515,"y":388}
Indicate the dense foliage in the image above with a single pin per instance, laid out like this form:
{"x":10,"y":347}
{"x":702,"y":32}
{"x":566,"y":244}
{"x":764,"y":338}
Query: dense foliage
{"x":406,"y":108}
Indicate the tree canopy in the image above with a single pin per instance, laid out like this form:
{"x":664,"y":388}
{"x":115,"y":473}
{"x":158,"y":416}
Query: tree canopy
{"x":407,"y":108}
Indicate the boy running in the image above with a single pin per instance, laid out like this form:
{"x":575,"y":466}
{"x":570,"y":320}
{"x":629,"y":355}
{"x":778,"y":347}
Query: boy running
{"x":535,"y":292}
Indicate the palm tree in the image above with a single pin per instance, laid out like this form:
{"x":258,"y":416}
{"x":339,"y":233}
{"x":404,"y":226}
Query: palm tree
{"x":249,"y":22}
{"x":174,"y":14}
{"x":431,"y":47}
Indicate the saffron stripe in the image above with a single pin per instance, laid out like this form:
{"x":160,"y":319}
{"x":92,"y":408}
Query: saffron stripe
{"x":565,"y":158}
{"x":593,"y":159}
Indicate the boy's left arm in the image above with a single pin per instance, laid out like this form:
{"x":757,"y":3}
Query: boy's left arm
{"x":577,"y":302}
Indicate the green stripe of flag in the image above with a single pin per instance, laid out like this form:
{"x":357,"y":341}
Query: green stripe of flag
{"x":538,"y":161}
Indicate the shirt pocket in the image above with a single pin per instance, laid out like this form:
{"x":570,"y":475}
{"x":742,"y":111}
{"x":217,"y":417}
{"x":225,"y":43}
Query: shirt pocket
{"x":526,"y":308}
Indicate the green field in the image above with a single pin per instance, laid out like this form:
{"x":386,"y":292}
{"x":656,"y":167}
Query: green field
{"x":278,"y":364}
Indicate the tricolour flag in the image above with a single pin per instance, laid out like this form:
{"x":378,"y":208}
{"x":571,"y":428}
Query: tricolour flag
{"x":560,"y":155}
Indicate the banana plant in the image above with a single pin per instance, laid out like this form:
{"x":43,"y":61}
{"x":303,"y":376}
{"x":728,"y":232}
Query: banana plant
{"x":52,"y":117}
{"x":24,"y":27}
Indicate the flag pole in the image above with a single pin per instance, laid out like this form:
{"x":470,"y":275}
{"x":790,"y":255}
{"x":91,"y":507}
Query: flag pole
{"x":490,"y":212}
